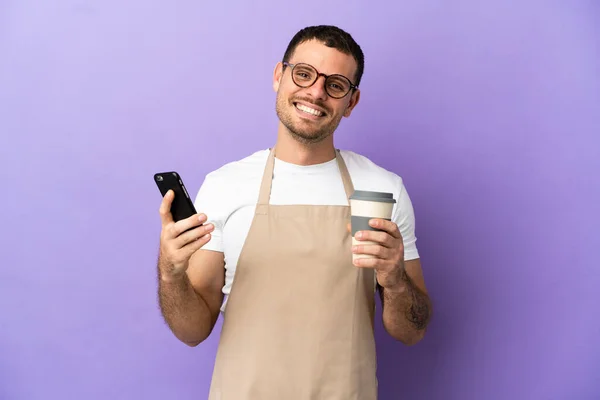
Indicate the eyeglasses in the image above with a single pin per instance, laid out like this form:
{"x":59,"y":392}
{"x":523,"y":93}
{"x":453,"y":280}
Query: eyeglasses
{"x":305,"y":75}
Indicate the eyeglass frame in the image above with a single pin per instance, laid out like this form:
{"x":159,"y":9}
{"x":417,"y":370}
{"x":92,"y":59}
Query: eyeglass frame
{"x":319,"y":74}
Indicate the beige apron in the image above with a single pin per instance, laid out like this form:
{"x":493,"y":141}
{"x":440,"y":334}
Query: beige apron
{"x":299,"y":319}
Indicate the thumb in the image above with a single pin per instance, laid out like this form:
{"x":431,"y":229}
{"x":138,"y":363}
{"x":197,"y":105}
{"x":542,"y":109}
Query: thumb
{"x":165,"y":208}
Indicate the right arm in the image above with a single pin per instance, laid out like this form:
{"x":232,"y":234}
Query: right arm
{"x":190,"y":279}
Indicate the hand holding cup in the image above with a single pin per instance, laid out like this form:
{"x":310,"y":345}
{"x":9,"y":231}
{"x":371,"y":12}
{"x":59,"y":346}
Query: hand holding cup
{"x":376,"y":240}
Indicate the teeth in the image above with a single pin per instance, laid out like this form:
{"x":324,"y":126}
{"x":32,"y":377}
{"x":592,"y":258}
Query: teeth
{"x":309,"y":110}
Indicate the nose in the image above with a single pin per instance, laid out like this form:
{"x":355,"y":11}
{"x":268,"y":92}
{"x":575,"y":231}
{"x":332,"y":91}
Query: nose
{"x":317,"y":90}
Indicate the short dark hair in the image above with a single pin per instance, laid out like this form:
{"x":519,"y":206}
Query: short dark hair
{"x":330,"y":36}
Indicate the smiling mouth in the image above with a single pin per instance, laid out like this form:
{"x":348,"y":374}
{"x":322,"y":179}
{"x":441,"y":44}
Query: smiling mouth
{"x":308,"y":110}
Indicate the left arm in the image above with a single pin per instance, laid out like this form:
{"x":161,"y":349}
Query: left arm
{"x":406,"y":305}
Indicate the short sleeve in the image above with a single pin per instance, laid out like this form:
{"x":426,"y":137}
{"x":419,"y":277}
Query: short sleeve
{"x":404,"y":217}
{"x":209,"y":201}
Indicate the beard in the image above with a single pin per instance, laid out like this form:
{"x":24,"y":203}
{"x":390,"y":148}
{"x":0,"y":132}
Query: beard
{"x":305,"y":132}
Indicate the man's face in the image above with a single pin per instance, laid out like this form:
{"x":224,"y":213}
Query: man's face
{"x":311,"y":114}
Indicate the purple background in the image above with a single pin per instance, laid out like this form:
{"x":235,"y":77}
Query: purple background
{"x":489,"y":111}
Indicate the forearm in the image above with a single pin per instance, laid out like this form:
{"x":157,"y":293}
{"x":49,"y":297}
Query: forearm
{"x":406,"y":311}
{"x":186,"y":313}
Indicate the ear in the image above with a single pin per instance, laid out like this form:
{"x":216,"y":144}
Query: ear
{"x":352,"y":103}
{"x":277,"y":74}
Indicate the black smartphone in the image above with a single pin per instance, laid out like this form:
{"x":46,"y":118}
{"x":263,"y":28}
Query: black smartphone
{"x":182,"y":206}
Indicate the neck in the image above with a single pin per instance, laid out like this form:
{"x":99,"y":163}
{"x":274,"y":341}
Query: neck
{"x":294,"y":152}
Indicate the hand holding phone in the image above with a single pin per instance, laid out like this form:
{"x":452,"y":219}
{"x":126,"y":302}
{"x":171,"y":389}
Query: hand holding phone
{"x":183,"y":232}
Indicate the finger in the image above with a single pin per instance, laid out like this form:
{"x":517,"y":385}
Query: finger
{"x":387,"y":226}
{"x":193,"y":235}
{"x":165,"y":208}
{"x":372,"y":249}
{"x":188,"y":223}
{"x":374,"y":262}
{"x":183,"y":255}
{"x":196,"y":245}
{"x":383,"y":238}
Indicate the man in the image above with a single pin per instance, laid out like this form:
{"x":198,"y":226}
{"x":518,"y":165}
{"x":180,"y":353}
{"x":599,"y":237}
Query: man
{"x":275,"y":239}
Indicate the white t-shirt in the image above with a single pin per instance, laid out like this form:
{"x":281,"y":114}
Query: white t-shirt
{"x":228,"y":196}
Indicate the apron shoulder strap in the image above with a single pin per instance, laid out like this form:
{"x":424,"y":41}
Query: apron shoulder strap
{"x":346,"y":179}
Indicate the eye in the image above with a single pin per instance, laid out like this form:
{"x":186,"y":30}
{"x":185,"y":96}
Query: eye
{"x":338,"y":85}
{"x":304,"y":74}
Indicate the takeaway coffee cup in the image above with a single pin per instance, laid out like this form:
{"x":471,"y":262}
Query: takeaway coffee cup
{"x":364,"y":206}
